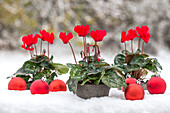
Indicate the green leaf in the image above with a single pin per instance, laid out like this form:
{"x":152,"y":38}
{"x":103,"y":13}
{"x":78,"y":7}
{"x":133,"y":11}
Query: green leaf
{"x":119,"y":59}
{"x":72,"y":85}
{"x":148,"y":66}
{"x":119,"y":67}
{"x":70,"y":65}
{"x":31,"y":68}
{"x":138,"y":51}
{"x":139,"y":60}
{"x":39,"y":59}
{"x":101,"y":75}
{"x":44,"y":64}
{"x":124,"y":52}
{"x":53,"y":75}
{"x":26,"y":78}
{"x":145,"y":55}
{"x":38,"y":76}
{"x":62,"y":69}
{"x":130,"y":68}
{"x":89,"y":78}
{"x":111,"y":79}
{"x":101,"y":64}
{"x":157,"y":63}
{"x":20,"y":71}
{"x":51,"y":59}
{"x":83,"y":63}
{"x":49,"y":80}
{"x":28,"y":86}
{"x":77,"y":74}
{"x":107,"y":67}
{"x":155,"y":69}
{"x":46,"y":72}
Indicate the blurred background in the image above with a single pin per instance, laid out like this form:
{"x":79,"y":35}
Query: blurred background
{"x":22,"y":17}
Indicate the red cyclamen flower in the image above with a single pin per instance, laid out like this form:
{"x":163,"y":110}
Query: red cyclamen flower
{"x":65,"y":38}
{"x":143,"y":33}
{"x":82,"y":30}
{"x":28,"y":41}
{"x":131,"y":34}
{"x":123,"y":36}
{"x":98,"y":35}
{"x":45,"y":36}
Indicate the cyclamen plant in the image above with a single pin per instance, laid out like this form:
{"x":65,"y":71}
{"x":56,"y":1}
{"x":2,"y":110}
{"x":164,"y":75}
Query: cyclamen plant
{"x":91,"y":69}
{"x":136,"y":64}
{"x":39,"y":65}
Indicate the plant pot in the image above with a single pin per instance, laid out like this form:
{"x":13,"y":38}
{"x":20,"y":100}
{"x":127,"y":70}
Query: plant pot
{"x":91,"y":90}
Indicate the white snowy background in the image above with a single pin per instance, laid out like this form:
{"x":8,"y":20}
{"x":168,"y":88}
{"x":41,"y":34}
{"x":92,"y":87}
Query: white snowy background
{"x":67,"y":102}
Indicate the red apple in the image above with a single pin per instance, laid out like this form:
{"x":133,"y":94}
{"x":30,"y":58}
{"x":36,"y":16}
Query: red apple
{"x":156,"y":85}
{"x":134,"y":92}
{"x":17,"y":83}
{"x":39,"y":87}
{"x":57,"y":85}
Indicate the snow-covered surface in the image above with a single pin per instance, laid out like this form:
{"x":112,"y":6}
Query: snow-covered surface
{"x":67,"y":102}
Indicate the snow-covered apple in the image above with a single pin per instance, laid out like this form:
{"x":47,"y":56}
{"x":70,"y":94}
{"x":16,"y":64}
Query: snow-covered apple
{"x":39,"y":87}
{"x":57,"y":85}
{"x":134,"y":92}
{"x":156,"y":85}
{"x":17,"y":83}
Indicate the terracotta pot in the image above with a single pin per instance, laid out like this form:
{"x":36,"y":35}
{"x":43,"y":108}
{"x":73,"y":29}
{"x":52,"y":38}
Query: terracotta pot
{"x":91,"y":90}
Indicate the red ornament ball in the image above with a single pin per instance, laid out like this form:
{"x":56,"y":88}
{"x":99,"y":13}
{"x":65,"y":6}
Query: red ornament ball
{"x":17,"y":83}
{"x":156,"y":85}
{"x":134,"y":92}
{"x":130,"y":80}
{"x":57,"y":85}
{"x":39,"y":87}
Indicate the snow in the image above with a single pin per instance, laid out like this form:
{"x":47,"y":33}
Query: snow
{"x":67,"y":102}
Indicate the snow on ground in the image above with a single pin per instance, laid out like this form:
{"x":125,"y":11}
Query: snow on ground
{"x":67,"y":102}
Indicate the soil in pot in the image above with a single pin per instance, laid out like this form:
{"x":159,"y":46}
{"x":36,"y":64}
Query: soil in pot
{"x":92,"y":90}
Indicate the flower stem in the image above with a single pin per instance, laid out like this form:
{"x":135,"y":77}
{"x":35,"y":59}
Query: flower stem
{"x":41,"y":48}
{"x":95,"y":56}
{"x":143,"y":46}
{"x":48,"y":52}
{"x":31,"y":53}
{"x":88,"y":60}
{"x":73,"y":52}
{"x":139,"y":43}
{"x":35,"y":50}
{"x":85,"y":52}
{"x":125,"y":50}
{"x":132,"y":46}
